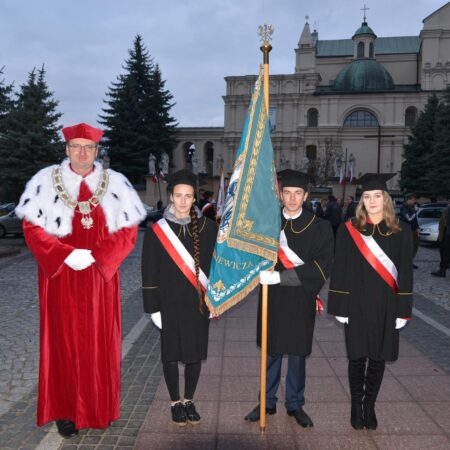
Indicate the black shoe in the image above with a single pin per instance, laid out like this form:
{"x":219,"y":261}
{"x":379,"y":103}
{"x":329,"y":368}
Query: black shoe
{"x":179,"y":414}
{"x":356,"y":416}
{"x":254,"y":416}
{"x":370,"y":418}
{"x":439,"y":273}
{"x":66,"y":428}
{"x":301,"y":417}
{"x":415,"y":267}
{"x":192,"y":415}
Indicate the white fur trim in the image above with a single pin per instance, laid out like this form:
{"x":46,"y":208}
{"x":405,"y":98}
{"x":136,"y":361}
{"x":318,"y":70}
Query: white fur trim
{"x":40,"y":205}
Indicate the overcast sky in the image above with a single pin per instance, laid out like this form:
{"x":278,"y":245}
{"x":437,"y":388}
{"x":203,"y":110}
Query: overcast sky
{"x":84,"y":43}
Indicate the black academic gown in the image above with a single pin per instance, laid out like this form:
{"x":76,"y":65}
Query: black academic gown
{"x":358,"y":292}
{"x":292,"y":309}
{"x":184,"y":334}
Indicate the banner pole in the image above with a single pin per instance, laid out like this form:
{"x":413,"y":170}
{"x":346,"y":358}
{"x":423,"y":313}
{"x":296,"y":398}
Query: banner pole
{"x":265,"y":32}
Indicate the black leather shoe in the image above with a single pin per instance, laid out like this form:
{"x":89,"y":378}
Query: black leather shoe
{"x":439,"y":273}
{"x":254,"y":416}
{"x":179,"y":414}
{"x":301,"y":417}
{"x":370,"y":418}
{"x":193,"y":417}
{"x":356,"y":416}
{"x":66,"y":428}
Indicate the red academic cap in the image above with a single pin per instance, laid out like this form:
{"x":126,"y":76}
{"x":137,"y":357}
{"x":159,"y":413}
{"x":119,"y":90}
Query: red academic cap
{"x":84,"y":131}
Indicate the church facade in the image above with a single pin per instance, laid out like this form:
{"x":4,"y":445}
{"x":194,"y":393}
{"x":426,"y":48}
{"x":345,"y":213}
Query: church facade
{"x":348,"y":106}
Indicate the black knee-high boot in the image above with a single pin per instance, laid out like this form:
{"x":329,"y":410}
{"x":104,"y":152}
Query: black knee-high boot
{"x":356,"y":375}
{"x":374,"y":377}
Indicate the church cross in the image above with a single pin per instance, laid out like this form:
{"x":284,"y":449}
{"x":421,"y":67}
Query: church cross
{"x":365,"y":9}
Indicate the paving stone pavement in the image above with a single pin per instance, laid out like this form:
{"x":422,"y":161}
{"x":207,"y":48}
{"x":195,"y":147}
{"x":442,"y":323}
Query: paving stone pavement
{"x":228,"y":387}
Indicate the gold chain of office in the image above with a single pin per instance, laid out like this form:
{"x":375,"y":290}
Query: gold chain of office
{"x":84,"y":208}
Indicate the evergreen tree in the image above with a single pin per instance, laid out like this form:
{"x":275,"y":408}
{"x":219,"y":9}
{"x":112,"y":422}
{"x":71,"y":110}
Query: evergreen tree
{"x":137,"y":117}
{"x":6,"y":102}
{"x":418,"y":151}
{"x":31,"y":139}
{"x":439,"y":175}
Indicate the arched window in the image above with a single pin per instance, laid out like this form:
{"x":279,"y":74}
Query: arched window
{"x":410,"y":116}
{"x":371,"y":50}
{"x":360,"y":119}
{"x":313,"y":117}
{"x":360,"y":52}
{"x":189,"y":151}
{"x":311,"y":152}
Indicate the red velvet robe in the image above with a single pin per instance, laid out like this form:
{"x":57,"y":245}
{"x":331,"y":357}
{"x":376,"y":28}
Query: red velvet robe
{"x":80,"y":321}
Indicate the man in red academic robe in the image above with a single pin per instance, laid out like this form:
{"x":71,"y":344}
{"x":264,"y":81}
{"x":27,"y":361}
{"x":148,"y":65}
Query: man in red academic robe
{"x":80,"y":223}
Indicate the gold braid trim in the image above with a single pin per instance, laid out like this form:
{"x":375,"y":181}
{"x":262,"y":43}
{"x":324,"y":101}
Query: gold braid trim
{"x":320,"y":268}
{"x":338,"y":292}
{"x":405,"y":293}
{"x":150,"y":287}
{"x":303,"y":229}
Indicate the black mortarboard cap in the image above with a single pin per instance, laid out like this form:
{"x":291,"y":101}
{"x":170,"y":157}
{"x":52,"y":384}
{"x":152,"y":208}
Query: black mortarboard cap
{"x":293,"y":178}
{"x":182,"y":177}
{"x":374,"y":181}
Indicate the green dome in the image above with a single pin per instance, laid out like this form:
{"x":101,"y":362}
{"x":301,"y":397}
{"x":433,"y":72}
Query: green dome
{"x":363,"y":75}
{"x":364,"y":29}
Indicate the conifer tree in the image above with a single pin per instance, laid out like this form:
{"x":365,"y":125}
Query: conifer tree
{"x":439,"y":175}
{"x":418,"y":151}
{"x":6,"y":102}
{"x":137,"y":116}
{"x":30,"y":141}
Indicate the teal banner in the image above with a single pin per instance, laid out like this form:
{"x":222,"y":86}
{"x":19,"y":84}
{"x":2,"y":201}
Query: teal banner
{"x":247,"y":241}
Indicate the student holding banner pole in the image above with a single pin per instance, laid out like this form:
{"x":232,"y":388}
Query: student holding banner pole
{"x":371,"y":293}
{"x":176,"y":257}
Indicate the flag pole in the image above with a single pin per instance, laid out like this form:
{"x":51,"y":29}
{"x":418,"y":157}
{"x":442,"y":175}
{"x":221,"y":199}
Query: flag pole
{"x":265,"y":33}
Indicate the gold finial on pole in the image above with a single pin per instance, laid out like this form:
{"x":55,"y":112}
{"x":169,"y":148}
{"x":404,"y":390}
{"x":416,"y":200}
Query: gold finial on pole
{"x":265,"y":34}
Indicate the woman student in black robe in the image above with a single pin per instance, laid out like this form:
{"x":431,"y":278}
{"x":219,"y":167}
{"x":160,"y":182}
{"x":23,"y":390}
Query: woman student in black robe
{"x":176,"y":256}
{"x":371,"y":293}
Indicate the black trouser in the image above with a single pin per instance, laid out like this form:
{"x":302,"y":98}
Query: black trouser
{"x":191,"y":376}
{"x":365,"y":382}
{"x":444,"y":251}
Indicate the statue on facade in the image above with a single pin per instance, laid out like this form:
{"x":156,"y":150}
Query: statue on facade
{"x":164,"y":163}
{"x":304,"y":166}
{"x":338,"y":164}
{"x":219,"y":163}
{"x":151,"y":164}
{"x":351,"y":163}
{"x":284,"y":163}
{"x":194,"y":163}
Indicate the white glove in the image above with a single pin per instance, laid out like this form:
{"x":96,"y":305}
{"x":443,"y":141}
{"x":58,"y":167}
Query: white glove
{"x":269,"y":277}
{"x":79,"y":259}
{"x":156,"y":319}
{"x":342,"y":319}
{"x":400,"y":323}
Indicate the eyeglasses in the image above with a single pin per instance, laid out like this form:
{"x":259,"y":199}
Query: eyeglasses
{"x":79,"y":147}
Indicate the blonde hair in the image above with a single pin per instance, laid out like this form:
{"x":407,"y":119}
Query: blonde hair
{"x":389,"y":215}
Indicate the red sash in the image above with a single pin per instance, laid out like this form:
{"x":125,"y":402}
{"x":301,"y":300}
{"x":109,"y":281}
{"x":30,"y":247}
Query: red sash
{"x":170,"y":242}
{"x":386,"y":271}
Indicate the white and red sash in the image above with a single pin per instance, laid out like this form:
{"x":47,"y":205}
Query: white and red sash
{"x":287,"y":256}
{"x":375,"y":256}
{"x":290,"y":260}
{"x":179,"y":254}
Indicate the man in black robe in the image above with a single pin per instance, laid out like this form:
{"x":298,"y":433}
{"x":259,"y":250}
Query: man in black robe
{"x":294,"y":285}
